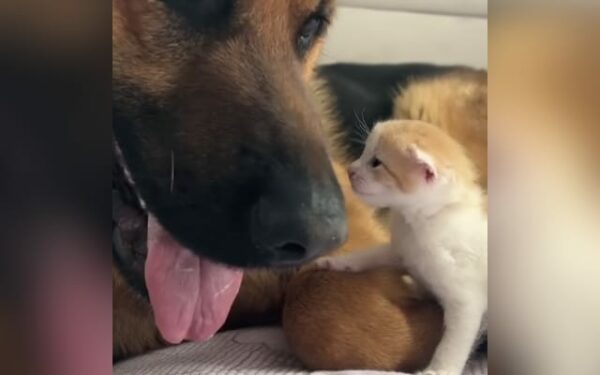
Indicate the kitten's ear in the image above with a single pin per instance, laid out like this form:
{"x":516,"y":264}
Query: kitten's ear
{"x":425,"y":162}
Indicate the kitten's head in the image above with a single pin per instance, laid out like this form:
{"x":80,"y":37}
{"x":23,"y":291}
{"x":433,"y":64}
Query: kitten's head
{"x":410,"y":163}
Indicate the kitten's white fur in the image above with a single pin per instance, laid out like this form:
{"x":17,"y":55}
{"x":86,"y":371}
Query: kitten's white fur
{"x":439,"y":235}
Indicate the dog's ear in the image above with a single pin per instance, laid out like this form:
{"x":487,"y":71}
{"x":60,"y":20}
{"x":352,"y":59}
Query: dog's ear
{"x":203,"y":14}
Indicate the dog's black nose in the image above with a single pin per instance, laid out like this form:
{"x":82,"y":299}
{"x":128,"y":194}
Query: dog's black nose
{"x":297,"y":222}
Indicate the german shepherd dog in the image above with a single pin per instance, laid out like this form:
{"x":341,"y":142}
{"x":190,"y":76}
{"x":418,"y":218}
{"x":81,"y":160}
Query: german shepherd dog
{"x":225,"y":161}
{"x":219,"y":142}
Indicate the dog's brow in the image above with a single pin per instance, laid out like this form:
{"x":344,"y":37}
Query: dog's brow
{"x":315,"y":7}
{"x":326,"y":7}
{"x":204,"y":14}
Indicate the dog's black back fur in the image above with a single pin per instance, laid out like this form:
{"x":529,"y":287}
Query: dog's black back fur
{"x":366,"y":92}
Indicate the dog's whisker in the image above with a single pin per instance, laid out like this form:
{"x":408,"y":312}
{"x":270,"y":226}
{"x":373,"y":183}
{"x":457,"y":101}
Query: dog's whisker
{"x":172,"y":171}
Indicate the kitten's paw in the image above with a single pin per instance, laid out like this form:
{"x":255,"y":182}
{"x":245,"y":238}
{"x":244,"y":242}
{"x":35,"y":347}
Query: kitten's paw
{"x":336,"y":264}
{"x":324,"y":263}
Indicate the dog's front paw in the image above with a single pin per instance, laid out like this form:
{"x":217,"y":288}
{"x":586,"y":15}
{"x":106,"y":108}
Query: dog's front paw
{"x":336,"y":264}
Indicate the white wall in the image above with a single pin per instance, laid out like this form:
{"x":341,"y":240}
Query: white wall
{"x":369,"y":31}
{"x":474,"y":8}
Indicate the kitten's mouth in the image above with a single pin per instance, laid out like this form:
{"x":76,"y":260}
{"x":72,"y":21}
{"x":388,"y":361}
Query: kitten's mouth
{"x":362,"y":193}
{"x":190,"y":295}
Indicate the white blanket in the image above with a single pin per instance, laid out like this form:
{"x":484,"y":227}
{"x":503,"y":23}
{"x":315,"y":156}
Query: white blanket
{"x":252,"y":351}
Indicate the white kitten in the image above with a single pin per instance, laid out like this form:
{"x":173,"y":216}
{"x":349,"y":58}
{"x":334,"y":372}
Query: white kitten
{"x":438,"y":226}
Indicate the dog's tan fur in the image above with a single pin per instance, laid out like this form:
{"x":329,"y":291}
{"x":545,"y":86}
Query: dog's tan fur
{"x":146,"y":52}
{"x":324,"y":314}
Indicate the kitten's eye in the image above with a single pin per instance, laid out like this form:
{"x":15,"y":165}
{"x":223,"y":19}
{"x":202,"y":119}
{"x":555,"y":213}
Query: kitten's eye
{"x":311,"y":29}
{"x":375,"y":162}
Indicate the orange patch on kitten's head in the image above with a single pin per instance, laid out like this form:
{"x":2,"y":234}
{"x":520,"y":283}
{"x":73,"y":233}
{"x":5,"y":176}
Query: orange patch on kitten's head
{"x":412,"y":150}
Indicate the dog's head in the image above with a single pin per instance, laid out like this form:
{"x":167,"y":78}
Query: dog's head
{"x":215,"y":128}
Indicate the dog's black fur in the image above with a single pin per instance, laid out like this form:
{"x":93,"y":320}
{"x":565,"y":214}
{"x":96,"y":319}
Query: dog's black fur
{"x":364,"y":92}
{"x":204,"y":15}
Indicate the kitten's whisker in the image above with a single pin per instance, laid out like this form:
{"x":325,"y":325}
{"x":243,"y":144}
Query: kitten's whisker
{"x":365,"y":131}
{"x":360,"y":131}
{"x":362,"y":126}
{"x":365,"y":121}
{"x":360,"y":141}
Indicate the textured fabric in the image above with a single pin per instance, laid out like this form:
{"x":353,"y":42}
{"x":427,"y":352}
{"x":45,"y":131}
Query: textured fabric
{"x":255,"y":351}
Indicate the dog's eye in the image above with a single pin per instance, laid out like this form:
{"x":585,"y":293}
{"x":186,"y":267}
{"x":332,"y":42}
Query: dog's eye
{"x":375,"y":162}
{"x":311,"y":29}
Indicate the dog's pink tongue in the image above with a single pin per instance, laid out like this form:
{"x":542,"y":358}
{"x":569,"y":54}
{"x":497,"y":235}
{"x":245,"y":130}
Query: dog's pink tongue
{"x":190,"y":296}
